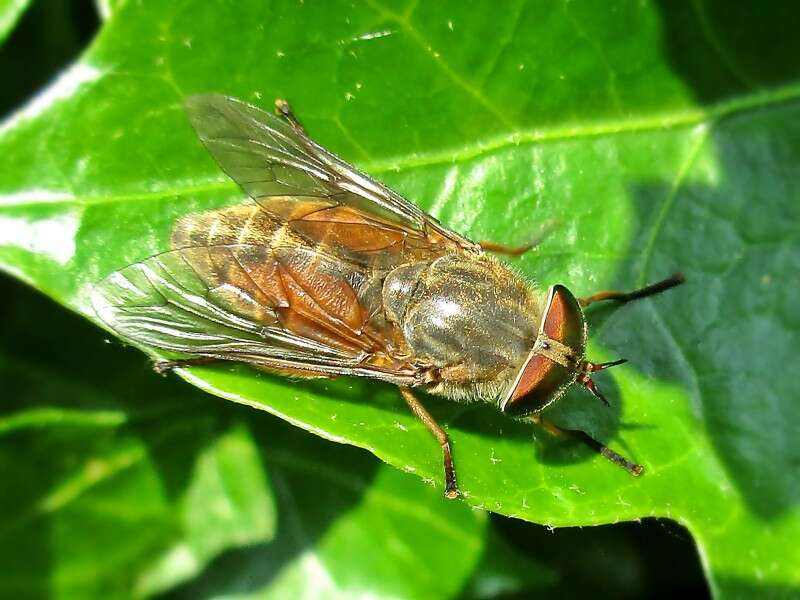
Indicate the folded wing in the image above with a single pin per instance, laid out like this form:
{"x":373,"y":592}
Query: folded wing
{"x":279,"y":308}
{"x":278,"y":166}
{"x":292,"y":281}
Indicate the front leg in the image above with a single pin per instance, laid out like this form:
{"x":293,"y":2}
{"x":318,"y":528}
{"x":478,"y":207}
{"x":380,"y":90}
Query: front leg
{"x":648,"y":290}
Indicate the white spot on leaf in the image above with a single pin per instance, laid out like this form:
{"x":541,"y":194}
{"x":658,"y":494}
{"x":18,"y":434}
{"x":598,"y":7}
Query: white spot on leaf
{"x":62,"y":88}
{"x":53,"y":237}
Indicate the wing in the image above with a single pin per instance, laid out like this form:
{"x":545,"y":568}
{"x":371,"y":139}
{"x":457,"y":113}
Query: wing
{"x":275,"y":307}
{"x":278,"y":166}
{"x":293,"y":281}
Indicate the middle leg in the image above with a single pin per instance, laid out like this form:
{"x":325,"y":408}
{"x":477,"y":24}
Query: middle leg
{"x":451,"y":487}
{"x":584,"y":437}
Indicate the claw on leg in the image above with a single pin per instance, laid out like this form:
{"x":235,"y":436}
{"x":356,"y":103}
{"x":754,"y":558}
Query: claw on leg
{"x":283,"y":109}
{"x":162,"y":367}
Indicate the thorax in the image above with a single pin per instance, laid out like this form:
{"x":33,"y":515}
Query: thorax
{"x":468,"y":316}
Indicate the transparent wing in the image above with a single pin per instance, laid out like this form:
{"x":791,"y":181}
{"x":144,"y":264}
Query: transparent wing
{"x":162,"y":302}
{"x":244,"y":303}
{"x":270,"y":158}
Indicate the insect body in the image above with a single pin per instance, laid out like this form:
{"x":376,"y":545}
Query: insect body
{"x":329,"y":273}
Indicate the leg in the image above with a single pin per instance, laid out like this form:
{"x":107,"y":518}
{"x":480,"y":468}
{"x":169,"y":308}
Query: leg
{"x":648,"y":290}
{"x":163,"y":366}
{"x":545,"y":229}
{"x":507,"y":250}
{"x":451,"y":487}
{"x":283,"y":108}
{"x":584,"y":437}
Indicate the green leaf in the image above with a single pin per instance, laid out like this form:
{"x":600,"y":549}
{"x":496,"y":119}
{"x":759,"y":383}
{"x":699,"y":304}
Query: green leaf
{"x":120,"y":487}
{"x":349,"y":530}
{"x":504,"y":571}
{"x":658,"y":137}
{"x":106,"y":8}
{"x":124,"y":489}
{"x":10,"y":12}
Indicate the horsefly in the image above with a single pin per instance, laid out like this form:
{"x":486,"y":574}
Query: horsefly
{"x":328,"y":273}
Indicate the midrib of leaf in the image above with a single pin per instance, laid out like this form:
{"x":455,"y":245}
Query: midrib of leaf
{"x":690,"y":118}
{"x":49,"y":416}
{"x":91,"y":474}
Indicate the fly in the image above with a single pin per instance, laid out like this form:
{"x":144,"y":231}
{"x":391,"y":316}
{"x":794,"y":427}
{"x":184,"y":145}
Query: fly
{"x":328,"y":273}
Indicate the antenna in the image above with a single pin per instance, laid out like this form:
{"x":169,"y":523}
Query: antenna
{"x":587,"y":368}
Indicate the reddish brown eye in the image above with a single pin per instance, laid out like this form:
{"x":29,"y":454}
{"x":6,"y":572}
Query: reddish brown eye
{"x":542,"y":381}
{"x":563,"y":321}
{"x":550,"y":370}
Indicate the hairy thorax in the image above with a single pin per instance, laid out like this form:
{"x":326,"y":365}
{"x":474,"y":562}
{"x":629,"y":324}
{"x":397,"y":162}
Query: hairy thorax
{"x":469,"y":317}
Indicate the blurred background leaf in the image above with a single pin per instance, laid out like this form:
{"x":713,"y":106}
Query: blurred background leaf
{"x":106,"y":489}
{"x":10,"y":12}
{"x":44,"y":40}
{"x":661,"y":136}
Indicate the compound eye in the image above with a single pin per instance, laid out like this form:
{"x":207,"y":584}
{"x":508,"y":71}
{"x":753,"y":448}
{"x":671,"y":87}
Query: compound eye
{"x":563,"y":320}
{"x":542,"y":379}
{"x":540,"y":383}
